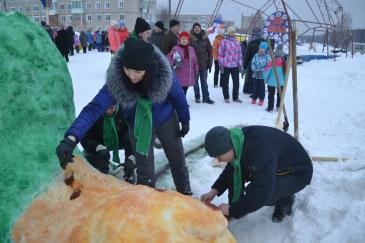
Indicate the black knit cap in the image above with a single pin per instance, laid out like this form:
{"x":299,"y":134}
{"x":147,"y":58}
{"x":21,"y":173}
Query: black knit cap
{"x":197,"y":24}
{"x":141,"y":26}
{"x":137,"y":54}
{"x":173,"y":22}
{"x":218,"y":141}
{"x":160,"y":24}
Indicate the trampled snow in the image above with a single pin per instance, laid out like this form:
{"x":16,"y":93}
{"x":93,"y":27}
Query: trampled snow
{"x":331,"y":123}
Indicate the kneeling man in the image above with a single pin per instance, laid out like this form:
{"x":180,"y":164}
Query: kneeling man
{"x":273,"y":163}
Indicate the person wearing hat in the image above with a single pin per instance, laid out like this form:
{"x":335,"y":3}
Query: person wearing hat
{"x":252,"y":48}
{"x":270,"y":78}
{"x":203,"y":49}
{"x":188,"y":69}
{"x":258,"y":64}
{"x":114,"y":36}
{"x":230,"y":63}
{"x":216,"y":44}
{"x":170,"y":39}
{"x":123,"y":31}
{"x":275,"y":165}
{"x":142,"y":30}
{"x":158,"y":33}
{"x":140,"y":79}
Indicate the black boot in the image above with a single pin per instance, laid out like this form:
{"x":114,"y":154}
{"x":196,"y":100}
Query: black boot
{"x":283,"y":208}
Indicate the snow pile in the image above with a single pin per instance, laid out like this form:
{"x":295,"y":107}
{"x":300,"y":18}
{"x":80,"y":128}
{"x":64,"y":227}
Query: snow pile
{"x":331,"y":122}
{"x":35,"y":109}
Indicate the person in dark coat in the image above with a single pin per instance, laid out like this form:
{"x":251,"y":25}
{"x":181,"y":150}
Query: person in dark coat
{"x":142,"y":30}
{"x":62,"y":42}
{"x":203,"y":49}
{"x":252,"y":49}
{"x":83,"y":40}
{"x":276,"y":165}
{"x":170,"y":39}
{"x":158,"y":33}
{"x":140,"y":78}
{"x":70,"y":39}
{"x":109,"y":133}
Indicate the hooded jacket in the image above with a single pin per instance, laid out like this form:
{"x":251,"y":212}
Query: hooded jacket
{"x":164,"y":92}
{"x":203,"y":49}
{"x":269,"y":74}
{"x":230,"y":53}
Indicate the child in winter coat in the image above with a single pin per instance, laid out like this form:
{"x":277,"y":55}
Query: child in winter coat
{"x":187,"y":70}
{"x":258,"y":64}
{"x":270,"y":78}
{"x":77,"y":43}
{"x":216,"y":44}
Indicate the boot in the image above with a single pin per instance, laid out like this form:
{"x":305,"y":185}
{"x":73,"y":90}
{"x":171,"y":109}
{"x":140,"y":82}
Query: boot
{"x":253,"y":101}
{"x":283,"y":208}
{"x":261,"y":102}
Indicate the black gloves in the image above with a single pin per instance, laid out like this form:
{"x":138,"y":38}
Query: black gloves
{"x":129,"y":174}
{"x":104,"y":153}
{"x":210,"y":69}
{"x":64,"y":151}
{"x":185,"y":127}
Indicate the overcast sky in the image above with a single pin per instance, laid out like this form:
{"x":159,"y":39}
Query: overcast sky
{"x":233,"y":11}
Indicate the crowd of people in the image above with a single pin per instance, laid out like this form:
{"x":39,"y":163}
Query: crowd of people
{"x":144,"y":98}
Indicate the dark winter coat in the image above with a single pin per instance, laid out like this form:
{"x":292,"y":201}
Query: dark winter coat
{"x":61,"y":41}
{"x":83,"y":39}
{"x":168,"y":41}
{"x":156,"y":38}
{"x":203,"y":49}
{"x":70,"y":37}
{"x":94,"y":136}
{"x":252,"y":49}
{"x":267,"y":153}
{"x":165,"y":93}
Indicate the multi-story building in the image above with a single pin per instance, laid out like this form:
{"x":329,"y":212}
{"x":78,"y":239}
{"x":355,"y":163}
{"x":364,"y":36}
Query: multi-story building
{"x":187,"y":21}
{"x":85,"y":14}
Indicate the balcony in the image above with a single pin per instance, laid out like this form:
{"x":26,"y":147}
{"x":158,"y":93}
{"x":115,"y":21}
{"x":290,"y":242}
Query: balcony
{"x":53,"y":12}
{"x":77,"y":10}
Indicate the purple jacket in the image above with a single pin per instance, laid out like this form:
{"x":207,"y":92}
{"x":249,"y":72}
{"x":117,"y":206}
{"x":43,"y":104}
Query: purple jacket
{"x":188,"y":70}
{"x":230,"y":53}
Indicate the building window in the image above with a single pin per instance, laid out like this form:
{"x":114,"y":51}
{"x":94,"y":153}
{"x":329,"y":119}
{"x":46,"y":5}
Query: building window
{"x":69,"y":18}
{"x":120,"y":3}
{"x":20,"y":9}
{"x":121,"y":16}
{"x":69,"y":6}
{"x":36,"y":19}
{"x":97,"y":5}
{"x":76,"y":17}
{"x":76,"y":5}
{"x":35,"y":8}
{"x":63,"y":19}
{"x":62,"y":6}
{"x":107,"y":5}
{"x":89,"y":18}
{"x":107,"y":17}
{"x":28,"y":9}
{"x":98,"y":17}
{"x":88,"y":5}
{"x":12,"y":9}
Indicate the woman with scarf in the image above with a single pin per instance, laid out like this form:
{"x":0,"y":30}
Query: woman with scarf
{"x":230,"y":63}
{"x":141,"y":80}
{"x":187,"y":69}
{"x":274,"y":163}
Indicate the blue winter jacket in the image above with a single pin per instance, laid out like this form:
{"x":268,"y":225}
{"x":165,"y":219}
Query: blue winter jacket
{"x":269,"y":74}
{"x":165,"y":93}
{"x":90,"y":38}
{"x":258,"y":64}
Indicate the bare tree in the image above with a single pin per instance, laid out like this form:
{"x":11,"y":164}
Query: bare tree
{"x":343,"y":31}
{"x":163,"y":14}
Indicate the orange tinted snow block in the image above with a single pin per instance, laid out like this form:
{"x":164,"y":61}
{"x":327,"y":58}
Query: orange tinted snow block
{"x":110,"y":210}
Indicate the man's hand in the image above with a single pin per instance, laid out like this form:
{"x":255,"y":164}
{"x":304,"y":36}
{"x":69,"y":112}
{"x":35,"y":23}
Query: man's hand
{"x":65,"y":149}
{"x":185,"y":127}
{"x":129,"y":167}
{"x":224,"y":207}
{"x":103,"y":152}
{"x":208,"y":197}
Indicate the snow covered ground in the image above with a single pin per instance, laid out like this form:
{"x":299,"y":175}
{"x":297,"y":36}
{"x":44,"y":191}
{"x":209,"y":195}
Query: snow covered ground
{"x":331,"y":123}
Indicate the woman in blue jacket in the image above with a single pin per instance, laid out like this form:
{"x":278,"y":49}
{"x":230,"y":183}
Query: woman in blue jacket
{"x":140,"y":79}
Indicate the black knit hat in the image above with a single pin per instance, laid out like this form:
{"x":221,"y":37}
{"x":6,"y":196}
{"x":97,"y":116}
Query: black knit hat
{"x":173,"y":22}
{"x":218,"y":141}
{"x":141,"y":26}
{"x":137,"y":54}
{"x":160,"y":24}
{"x":197,"y":24}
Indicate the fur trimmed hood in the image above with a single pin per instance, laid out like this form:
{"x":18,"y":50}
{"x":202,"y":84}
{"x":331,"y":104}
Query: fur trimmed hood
{"x":160,"y":78}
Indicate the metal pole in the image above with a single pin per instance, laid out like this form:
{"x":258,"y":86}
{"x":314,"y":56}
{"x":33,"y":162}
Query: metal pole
{"x":294,"y":77}
{"x":5,"y":9}
{"x":169,"y":9}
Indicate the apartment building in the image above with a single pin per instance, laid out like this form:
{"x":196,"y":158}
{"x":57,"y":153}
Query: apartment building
{"x":187,"y":21}
{"x":85,"y":14}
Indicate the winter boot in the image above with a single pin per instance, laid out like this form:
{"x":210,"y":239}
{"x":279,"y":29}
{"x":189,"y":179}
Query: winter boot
{"x":268,"y":110}
{"x":208,"y":101}
{"x":253,"y":101}
{"x":237,"y":100}
{"x":283,"y":208}
{"x":261,"y":102}
{"x":197,"y":101}
{"x":226,"y":100}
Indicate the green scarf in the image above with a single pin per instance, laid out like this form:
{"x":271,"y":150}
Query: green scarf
{"x":237,"y":138}
{"x":110,"y":135}
{"x":143,"y":125}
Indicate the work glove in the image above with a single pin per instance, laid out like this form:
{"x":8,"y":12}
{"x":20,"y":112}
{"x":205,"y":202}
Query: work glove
{"x":64,"y":151}
{"x":185,"y":127}
{"x":103,"y":153}
{"x":129,"y":174}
